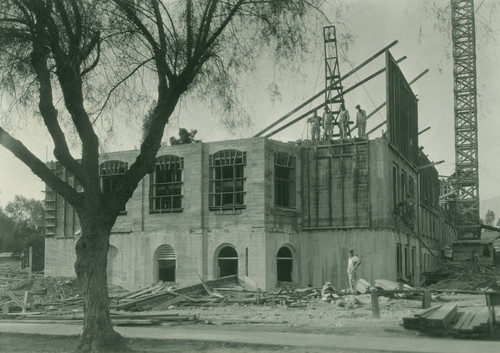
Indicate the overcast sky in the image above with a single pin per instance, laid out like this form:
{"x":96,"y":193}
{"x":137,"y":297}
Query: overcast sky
{"x":374,"y":25}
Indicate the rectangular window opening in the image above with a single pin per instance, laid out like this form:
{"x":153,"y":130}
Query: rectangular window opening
{"x":166,"y":185}
{"x":284,"y":180}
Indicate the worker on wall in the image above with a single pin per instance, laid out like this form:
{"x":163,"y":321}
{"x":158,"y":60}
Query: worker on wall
{"x":315,"y":122}
{"x":328,"y":124}
{"x":343,"y":121}
{"x":361,"y":122}
{"x":352,"y":265}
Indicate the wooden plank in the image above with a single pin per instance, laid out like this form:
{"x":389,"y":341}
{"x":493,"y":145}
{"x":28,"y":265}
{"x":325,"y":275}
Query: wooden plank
{"x":117,"y":313}
{"x":480,"y":318}
{"x":427,"y":312}
{"x":464,"y":316}
{"x":165,"y":305}
{"x":375,"y":307}
{"x":411,"y":323}
{"x":441,"y":318}
{"x":426,"y":299}
{"x":14,"y":298}
{"x":207,"y":288}
{"x":247,"y":283}
{"x":467,"y":322}
{"x":27,"y":300}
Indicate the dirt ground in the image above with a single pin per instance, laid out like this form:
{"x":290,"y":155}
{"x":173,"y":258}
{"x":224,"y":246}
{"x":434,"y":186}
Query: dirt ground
{"x":23,"y":343}
{"x":348,"y":315}
{"x":320,"y":317}
{"x":315,"y":316}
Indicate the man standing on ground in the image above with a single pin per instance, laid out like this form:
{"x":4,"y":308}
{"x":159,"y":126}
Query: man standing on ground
{"x":361,"y":122}
{"x":352,"y":266}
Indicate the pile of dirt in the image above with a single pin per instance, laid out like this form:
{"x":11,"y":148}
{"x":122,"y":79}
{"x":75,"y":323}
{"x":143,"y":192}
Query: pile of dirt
{"x":461,"y":276}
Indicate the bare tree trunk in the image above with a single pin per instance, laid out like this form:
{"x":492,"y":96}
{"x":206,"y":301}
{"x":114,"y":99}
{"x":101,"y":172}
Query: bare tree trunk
{"x":91,"y":262}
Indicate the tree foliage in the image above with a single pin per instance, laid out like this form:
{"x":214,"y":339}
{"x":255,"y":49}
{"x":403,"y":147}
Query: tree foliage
{"x":185,"y":137}
{"x":72,"y":57}
{"x":489,"y":218}
{"x":22,"y":226}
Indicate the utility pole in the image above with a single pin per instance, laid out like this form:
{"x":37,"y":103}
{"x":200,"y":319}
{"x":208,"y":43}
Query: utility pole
{"x":466,"y":178}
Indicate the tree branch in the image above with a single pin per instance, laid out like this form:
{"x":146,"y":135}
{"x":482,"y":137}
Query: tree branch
{"x":40,"y":169}
{"x":117,"y":85}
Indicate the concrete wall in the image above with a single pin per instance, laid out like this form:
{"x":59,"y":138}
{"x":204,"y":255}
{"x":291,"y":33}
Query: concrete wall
{"x":281,"y":219}
{"x":260,"y":229}
{"x":324,"y":255}
{"x":60,"y":256}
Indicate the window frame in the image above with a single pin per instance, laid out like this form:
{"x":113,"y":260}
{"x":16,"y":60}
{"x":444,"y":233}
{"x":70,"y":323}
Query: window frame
{"x":175,"y":164}
{"x":399,"y":261}
{"x":395,"y":186}
{"x":227,"y":167}
{"x":112,"y":170}
{"x":287,"y":186}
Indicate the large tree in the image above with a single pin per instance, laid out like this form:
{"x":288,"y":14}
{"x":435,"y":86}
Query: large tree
{"x":22,"y":226}
{"x":489,"y":218}
{"x":80,"y":52}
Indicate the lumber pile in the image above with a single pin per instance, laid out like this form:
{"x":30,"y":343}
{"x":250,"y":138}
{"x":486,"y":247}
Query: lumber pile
{"x":445,"y":319}
{"x":118,"y":318}
{"x":436,"y":320}
{"x":472,"y":323}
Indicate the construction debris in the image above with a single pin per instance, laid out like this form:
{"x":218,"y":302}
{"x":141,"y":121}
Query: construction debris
{"x":461,"y":276}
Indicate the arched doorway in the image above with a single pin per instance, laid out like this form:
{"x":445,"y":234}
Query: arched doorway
{"x":227,"y":261}
{"x":284,"y":264}
{"x":111,"y":269}
{"x":165,"y":263}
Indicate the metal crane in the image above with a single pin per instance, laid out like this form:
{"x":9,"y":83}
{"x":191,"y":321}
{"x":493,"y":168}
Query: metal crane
{"x":466,"y":180}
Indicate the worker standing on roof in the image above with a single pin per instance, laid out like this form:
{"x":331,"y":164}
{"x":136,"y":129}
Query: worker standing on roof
{"x":315,"y":122}
{"x":352,"y":264}
{"x":328,"y":123}
{"x":343,"y":121}
{"x":361,"y":122}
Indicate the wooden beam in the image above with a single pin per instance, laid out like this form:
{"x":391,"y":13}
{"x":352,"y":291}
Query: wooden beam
{"x":364,"y":63}
{"x":384,"y":104}
{"x":375,"y":307}
{"x":429,"y":165}
{"x":424,"y":130}
{"x":337,"y":96}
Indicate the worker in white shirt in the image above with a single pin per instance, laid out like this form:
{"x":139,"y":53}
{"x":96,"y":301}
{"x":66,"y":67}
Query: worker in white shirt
{"x":343,"y":121}
{"x":315,"y":122}
{"x":361,"y":122}
{"x":352,"y":264}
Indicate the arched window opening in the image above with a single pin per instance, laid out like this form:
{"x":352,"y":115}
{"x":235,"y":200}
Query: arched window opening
{"x":227,"y":180}
{"x":166,"y":263}
{"x":227,"y":261}
{"x":284,"y":264}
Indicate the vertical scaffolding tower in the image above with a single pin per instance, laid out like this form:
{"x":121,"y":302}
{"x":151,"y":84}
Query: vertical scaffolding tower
{"x":334,"y":94}
{"x":466,"y":148}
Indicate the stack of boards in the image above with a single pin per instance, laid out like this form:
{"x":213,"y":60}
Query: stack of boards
{"x":444,"y":319}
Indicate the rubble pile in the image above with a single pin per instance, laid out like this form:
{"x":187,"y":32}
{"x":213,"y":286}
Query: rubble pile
{"x":460,"y":276}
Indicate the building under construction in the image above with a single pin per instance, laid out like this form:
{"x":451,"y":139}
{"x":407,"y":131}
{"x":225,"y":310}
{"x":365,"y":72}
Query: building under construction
{"x":275,"y":211}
